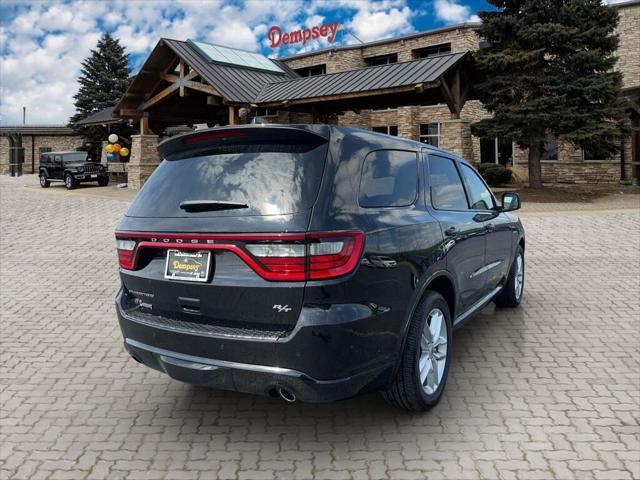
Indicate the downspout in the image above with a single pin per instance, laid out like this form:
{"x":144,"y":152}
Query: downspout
{"x":33,"y":154}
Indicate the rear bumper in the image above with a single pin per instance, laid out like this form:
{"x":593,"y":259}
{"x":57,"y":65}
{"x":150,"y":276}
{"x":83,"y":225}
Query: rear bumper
{"x":313,"y":361}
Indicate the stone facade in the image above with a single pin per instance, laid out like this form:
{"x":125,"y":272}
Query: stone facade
{"x":144,"y":159}
{"x":32,"y":145}
{"x":4,"y":155}
{"x":462,"y":38}
{"x":629,"y":47}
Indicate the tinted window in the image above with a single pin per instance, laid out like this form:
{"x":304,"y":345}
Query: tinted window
{"x":389,"y":179}
{"x":447,"y":192}
{"x":479,"y":196}
{"x":75,"y":157}
{"x":272,"y":179}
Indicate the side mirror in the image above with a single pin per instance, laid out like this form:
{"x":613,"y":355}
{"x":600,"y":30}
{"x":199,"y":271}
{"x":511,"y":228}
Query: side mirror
{"x":510,"y":201}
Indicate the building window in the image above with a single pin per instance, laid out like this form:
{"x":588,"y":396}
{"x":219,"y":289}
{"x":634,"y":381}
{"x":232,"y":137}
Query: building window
{"x":266,"y":112}
{"x":388,"y":129}
{"x":432,"y":50}
{"x":312,"y":71}
{"x":594,"y":153}
{"x":550,"y":148}
{"x":382,"y":59}
{"x":430,"y":134}
{"x":389,"y":179}
{"x":496,"y":150}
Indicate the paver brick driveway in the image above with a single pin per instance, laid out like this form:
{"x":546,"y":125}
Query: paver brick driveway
{"x":550,"y":390}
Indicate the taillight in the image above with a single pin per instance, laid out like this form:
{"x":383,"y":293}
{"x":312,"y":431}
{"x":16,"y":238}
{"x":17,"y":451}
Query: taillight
{"x":280,"y":261}
{"x":332,"y":255}
{"x":126,"y":250}
{"x":284,"y":257}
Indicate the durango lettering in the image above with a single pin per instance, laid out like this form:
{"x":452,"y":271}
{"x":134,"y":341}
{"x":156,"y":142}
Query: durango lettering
{"x":277,"y":38}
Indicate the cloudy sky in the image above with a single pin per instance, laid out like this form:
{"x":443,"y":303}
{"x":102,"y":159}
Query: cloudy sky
{"x":43,"y":42}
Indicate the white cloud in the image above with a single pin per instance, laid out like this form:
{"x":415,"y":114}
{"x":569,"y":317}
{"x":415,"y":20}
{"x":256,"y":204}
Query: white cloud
{"x":43,"y":42}
{"x":453,"y":12}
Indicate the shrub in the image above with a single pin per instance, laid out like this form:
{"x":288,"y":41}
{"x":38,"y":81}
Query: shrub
{"x":494,"y":174}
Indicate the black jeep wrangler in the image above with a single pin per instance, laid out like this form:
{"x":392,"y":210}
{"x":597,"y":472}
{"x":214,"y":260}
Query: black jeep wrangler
{"x":70,"y":168}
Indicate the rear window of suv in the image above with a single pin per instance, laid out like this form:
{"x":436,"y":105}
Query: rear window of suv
{"x":270,"y":179}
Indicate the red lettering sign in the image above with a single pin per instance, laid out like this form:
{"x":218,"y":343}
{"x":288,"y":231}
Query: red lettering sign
{"x":277,"y":37}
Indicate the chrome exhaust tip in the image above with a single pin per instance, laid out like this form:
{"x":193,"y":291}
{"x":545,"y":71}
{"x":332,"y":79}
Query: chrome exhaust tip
{"x":286,"y":395}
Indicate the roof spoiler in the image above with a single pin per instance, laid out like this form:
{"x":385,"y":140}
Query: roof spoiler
{"x":202,"y":140}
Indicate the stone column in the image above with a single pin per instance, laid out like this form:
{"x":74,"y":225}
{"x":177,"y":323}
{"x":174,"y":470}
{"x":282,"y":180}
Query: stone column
{"x":103,"y":153}
{"x":143,"y":159}
{"x":407,"y":126}
{"x":455,"y":136}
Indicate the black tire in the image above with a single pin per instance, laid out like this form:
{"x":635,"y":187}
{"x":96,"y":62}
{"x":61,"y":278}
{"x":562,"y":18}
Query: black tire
{"x":406,"y":391}
{"x":70,"y":182}
{"x":103,"y":181}
{"x":511,"y":295}
{"x":44,"y":183}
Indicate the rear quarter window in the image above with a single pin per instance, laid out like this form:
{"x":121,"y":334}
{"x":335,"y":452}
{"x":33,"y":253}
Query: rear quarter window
{"x":389,"y":179}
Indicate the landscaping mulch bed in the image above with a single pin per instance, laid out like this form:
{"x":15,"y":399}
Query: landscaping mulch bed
{"x":568,"y":193}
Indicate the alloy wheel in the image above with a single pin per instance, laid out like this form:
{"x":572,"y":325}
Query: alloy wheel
{"x":519,"y":276}
{"x":433,"y":351}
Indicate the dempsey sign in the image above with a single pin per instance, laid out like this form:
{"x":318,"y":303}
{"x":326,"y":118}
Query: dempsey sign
{"x":277,"y":37}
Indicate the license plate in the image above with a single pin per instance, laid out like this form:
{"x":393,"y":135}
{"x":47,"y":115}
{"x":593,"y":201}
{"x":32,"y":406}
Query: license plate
{"x":192,"y":266}
{"x":94,"y":176}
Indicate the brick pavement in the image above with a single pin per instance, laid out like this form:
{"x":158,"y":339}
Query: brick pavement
{"x":550,"y":390}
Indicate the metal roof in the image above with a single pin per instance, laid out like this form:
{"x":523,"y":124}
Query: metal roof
{"x":100,"y":117}
{"x":36,"y":130}
{"x":235,"y":84}
{"x":393,"y":75}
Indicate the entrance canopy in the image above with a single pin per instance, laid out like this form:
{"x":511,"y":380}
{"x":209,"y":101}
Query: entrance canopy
{"x":195,"y":82}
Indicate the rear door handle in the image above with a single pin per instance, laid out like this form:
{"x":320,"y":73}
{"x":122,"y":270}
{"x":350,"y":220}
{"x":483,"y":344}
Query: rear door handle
{"x":451,"y":232}
{"x":489,"y":227}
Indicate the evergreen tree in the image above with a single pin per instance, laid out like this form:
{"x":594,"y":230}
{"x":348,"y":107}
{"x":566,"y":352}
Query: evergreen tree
{"x":103,"y":80}
{"x":549,"y":70}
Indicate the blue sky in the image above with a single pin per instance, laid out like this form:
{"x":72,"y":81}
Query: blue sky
{"x":42,"y":43}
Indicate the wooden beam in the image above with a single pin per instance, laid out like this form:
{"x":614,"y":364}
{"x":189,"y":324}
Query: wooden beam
{"x":202,"y":87}
{"x":159,"y":96}
{"x":144,"y":125}
{"x":130,"y":112}
{"x":233,"y":116}
{"x":448,"y":97}
{"x":456,"y":90}
{"x":182,"y":69}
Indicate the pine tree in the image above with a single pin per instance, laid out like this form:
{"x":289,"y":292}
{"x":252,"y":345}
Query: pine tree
{"x":104,"y":78}
{"x":549,"y":70}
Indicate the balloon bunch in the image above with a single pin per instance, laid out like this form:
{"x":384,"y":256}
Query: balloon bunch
{"x":114,"y":149}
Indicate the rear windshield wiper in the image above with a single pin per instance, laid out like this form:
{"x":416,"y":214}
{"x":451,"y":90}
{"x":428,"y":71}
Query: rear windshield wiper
{"x":210,"y":205}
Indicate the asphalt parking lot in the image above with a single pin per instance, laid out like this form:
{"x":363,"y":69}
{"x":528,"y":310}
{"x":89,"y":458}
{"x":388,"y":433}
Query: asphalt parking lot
{"x":547,"y":391}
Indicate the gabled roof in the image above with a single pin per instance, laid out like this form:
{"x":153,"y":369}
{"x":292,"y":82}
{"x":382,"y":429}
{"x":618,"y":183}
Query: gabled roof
{"x":235,"y":84}
{"x":394,"y":75}
{"x":100,"y":117}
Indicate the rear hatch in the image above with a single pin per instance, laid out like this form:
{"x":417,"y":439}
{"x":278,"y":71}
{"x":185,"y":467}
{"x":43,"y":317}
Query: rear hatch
{"x":218,"y":234}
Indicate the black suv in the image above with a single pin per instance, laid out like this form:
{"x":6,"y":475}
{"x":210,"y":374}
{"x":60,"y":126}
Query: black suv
{"x":311,"y":262}
{"x":70,"y":168}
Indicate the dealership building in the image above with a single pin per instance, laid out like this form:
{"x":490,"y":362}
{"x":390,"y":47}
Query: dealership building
{"x":417,"y":86}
